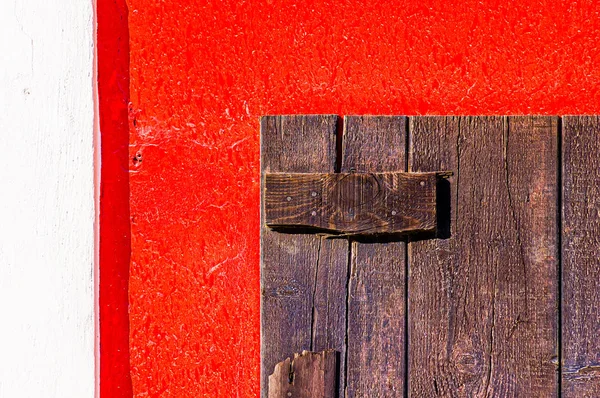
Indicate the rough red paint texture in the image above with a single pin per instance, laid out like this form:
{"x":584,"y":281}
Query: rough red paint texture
{"x":202,"y":74}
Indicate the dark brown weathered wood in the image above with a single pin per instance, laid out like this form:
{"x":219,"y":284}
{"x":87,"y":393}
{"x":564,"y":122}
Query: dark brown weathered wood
{"x":376,"y":293}
{"x":308,"y":375}
{"x":303,"y":276}
{"x":329,"y":302}
{"x":580,"y":257}
{"x":352,"y":203}
{"x":483,"y":303}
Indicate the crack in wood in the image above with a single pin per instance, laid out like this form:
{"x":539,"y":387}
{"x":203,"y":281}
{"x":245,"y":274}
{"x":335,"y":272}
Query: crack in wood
{"x":314,"y":295}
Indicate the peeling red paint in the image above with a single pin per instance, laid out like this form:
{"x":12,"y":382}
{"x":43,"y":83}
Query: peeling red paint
{"x":201,"y":74}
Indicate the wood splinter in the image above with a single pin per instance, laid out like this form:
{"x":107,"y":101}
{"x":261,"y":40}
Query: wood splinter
{"x":310,"y":374}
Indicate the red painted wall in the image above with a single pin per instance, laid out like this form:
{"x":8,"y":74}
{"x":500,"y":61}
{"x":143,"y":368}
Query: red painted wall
{"x":200,"y":76}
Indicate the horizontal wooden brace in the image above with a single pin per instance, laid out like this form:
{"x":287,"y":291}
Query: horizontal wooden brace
{"x":352,"y":203}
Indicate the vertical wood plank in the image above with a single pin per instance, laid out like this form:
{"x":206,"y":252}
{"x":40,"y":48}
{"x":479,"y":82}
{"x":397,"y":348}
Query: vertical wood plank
{"x":376,"y":294}
{"x":581,"y":262}
{"x":329,"y":302}
{"x":483,"y":302}
{"x":302,"y":275}
{"x":308,"y":375}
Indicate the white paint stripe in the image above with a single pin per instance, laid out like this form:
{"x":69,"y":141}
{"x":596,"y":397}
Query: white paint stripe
{"x":46,"y":198}
{"x":97,"y":174}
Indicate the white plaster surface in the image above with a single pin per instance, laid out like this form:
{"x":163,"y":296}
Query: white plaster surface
{"x":46,"y":198}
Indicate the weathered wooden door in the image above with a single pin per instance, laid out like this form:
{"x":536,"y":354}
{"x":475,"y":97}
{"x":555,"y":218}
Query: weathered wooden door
{"x":500,"y":301}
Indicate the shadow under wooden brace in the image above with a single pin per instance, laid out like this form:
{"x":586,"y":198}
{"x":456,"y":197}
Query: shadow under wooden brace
{"x":342,"y":295}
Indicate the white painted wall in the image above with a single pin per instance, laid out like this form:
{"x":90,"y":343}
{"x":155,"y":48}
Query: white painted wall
{"x":46,"y":198}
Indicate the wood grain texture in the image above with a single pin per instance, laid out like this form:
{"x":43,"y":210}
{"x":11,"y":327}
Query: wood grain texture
{"x":303,"y":276}
{"x":352,"y":203}
{"x":581,"y":263}
{"x":483,"y":303}
{"x":329,"y":302}
{"x":376,"y":293}
{"x":308,"y":375}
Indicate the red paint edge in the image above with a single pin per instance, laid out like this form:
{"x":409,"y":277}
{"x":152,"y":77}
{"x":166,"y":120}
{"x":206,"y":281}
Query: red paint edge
{"x":114,"y":233}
